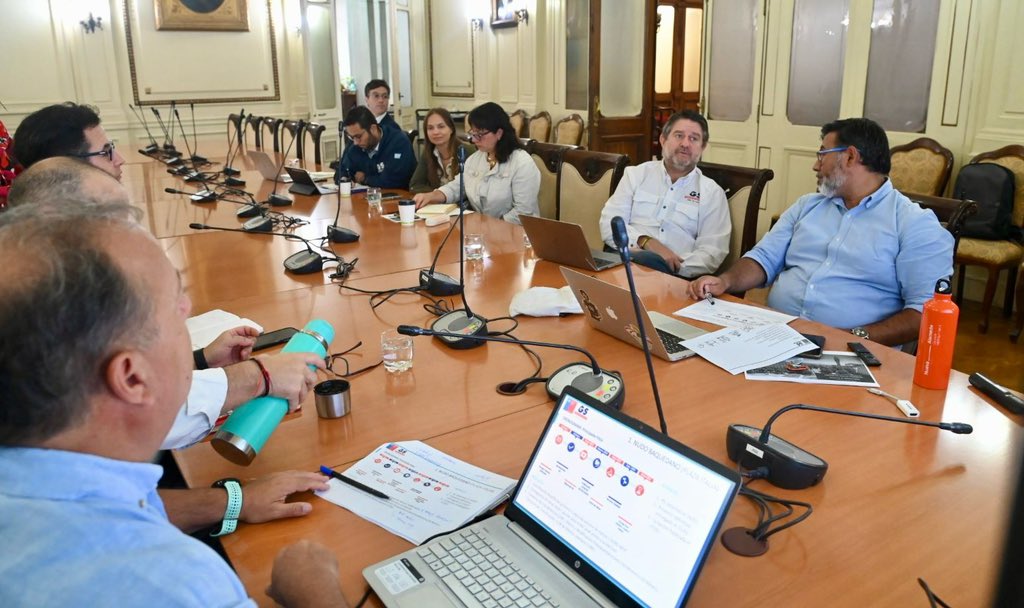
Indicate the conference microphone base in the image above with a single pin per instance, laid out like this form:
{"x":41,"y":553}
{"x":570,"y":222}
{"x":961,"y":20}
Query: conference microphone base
{"x":203,"y":196}
{"x":258,"y":224}
{"x":234,"y":181}
{"x":439,"y":284}
{"x":249,"y":210}
{"x":278,"y":200}
{"x":230,"y":171}
{"x":606,"y":387}
{"x":304,"y":262}
{"x":458,"y":322}
{"x":788,"y":466}
{"x":340,"y":234}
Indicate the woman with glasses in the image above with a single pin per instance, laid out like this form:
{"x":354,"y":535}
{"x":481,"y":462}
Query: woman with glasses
{"x":439,"y":162}
{"x":501,"y":178}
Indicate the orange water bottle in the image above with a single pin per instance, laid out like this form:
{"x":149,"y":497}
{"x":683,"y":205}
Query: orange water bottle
{"x":935,"y":342}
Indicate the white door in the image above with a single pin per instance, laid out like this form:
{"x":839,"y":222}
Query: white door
{"x":320,"y":46}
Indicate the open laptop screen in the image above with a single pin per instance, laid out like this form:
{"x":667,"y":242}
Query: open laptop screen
{"x":631,"y":510}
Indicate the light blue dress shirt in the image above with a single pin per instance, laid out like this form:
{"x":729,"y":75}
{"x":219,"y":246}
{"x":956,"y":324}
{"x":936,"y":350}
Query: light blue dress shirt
{"x":81,"y":530}
{"x":849,"y":268}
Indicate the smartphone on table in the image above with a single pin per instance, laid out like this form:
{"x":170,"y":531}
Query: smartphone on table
{"x":273,"y":338}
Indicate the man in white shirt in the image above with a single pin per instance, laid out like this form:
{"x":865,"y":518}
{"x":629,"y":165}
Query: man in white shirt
{"x":677,"y":219}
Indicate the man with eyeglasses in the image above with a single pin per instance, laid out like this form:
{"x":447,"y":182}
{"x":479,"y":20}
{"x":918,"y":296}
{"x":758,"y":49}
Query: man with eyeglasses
{"x":856,"y":255}
{"x":378,"y":156}
{"x":378,"y":98}
{"x":66,"y":129}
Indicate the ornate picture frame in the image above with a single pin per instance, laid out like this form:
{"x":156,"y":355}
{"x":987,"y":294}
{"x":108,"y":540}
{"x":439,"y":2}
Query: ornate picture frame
{"x":202,"y":15}
{"x":502,"y":14}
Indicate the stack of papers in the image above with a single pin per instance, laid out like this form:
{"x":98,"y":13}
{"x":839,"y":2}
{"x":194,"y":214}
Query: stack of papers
{"x":438,"y":209}
{"x":429,"y":492}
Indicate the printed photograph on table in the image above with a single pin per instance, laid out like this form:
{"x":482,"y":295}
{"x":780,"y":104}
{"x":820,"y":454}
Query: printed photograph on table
{"x":202,"y":15}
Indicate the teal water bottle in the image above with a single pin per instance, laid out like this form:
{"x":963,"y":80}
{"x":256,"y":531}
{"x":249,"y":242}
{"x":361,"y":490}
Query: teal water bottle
{"x":247,"y":429}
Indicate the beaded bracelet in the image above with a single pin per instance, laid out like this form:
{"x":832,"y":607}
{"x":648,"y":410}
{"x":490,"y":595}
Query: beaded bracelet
{"x":266,"y":376}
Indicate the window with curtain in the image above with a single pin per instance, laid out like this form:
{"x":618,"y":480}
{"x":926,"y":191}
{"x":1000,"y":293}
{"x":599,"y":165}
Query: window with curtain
{"x":816,"y":61}
{"x":731,"y":61}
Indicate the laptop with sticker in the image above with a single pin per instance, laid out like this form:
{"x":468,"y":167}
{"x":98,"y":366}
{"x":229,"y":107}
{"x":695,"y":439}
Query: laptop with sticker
{"x":608,"y":512}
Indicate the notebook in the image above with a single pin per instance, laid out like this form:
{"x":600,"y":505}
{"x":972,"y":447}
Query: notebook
{"x":608,"y":512}
{"x":268,"y":169}
{"x":303,"y":183}
{"x":609,"y":308}
{"x":565,"y":243}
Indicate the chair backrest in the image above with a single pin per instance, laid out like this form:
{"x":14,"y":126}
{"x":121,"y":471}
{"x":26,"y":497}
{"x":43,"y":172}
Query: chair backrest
{"x":274,"y":126}
{"x":922,"y":167}
{"x":952,"y":213}
{"x":569,"y":130}
{"x":294,"y":129}
{"x":743,"y":187}
{"x":1011,"y":157}
{"x":540,"y":126}
{"x":585,"y":182}
{"x":235,"y":121}
{"x":548,"y":158}
{"x":519,"y":118}
{"x":255,"y":123}
{"x":315,"y":131}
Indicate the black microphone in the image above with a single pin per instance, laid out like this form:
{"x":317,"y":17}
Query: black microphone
{"x":168,"y":146}
{"x":280,"y":200}
{"x":437,"y":283}
{"x":153,"y":146}
{"x":605,"y":386}
{"x":461,"y":325}
{"x":228,"y":170}
{"x":203,"y":196}
{"x":791,"y":467}
{"x":300,"y":262}
{"x":193,"y":174}
{"x":195,"y":138}
{"x":997,"y":393}
{"x":621,"y":239}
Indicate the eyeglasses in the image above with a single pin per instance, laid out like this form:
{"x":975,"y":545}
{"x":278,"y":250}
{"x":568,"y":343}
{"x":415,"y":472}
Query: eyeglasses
{"x":478,"y":134}
{"x":348,"y":373}
{"x":108,"y":151}
{"x":822,"y":153}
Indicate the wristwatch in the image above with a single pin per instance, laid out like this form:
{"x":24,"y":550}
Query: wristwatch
{"x":234,"y":489}
{"x":861,"y":333}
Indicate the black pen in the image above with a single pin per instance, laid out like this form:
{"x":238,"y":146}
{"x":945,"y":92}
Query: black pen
{"x":352,"y":482}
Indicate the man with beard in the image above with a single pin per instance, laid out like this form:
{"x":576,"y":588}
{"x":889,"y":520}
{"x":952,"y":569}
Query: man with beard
{"x":677,"y":219}
{"x":857,"y":254}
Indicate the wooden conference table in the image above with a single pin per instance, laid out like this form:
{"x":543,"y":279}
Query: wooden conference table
{"x":899,"y":501}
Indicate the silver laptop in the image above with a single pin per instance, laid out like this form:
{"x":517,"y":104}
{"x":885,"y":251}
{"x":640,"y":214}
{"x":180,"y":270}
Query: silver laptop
{"x":565,"y":243}
{"x":268,"y":169}
{"x":303,"y":183}
{"x":609,"y":308}
{"x":608,"y":512}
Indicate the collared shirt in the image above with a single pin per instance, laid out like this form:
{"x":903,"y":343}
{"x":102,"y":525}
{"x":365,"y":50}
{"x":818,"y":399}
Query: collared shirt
{"x":198,"y":416}
{"x":689,"y":216}
{"x":506,"y":190}
{"x":852,"y":267}
{"x":82,"y":530}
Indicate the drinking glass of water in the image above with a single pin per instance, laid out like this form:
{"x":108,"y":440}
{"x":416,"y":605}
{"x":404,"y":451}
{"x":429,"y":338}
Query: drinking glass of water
{"x":373,"y":198}
{"x":396,"y":351}
{"x":474,"y":246}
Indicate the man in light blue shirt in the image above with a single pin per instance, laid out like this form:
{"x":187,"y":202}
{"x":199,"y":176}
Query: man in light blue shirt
{"x":95,"y":360}
{"x":856,"y":255}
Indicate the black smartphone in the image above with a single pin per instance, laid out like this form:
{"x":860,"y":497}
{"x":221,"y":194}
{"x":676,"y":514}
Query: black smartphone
{"x":819,"y":341}
{"x":387,"y":196}
{"x":273,"y":338}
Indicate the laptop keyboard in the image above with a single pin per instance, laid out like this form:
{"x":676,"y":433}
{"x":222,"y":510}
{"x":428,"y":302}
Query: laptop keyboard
{"x":481,"y":574}
{"x":673,"y":343}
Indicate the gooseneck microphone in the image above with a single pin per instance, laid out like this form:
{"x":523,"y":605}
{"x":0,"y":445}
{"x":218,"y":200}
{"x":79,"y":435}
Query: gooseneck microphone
{"x":437,"y":283}
{"x":203,"y":196}
{"x":621,"y":238}
{"x":233,"y":134}
{"x":195,"y":138}
{"x":193,"y":174}
{"x":462,"y":326}
{"x":789,"y":466}
{"x":141,"y":117}
{"x":275,"y":199}
{"x":301,"y":262}
{"x":605,"y":386}
{"x":168,"y":137}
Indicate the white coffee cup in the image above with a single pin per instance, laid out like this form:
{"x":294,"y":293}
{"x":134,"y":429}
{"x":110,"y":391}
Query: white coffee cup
{"x":407,"y":211}
{"x":345,"y":187}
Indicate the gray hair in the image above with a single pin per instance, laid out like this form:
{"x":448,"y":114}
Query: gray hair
{"x":67,"y":308}
{"x":61,"y":180}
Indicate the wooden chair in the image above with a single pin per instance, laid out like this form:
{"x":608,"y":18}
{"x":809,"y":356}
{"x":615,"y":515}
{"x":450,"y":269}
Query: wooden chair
{"x":585,"y":182}
{"x":743,"y":187}
{"x":996,"y":256}
{"x":519,"y":120}
{"x":294,"y":129}
{"x":569,"y":130}
{"x":548,"y":158}
{"x":952,"y":213}
{"x":255,"y":123}
{"x":540,"y":126}
{"x":273,"y":125}
{"x":235,"y":120}
{"x":923,"y":167}
{"x":315,"y":131}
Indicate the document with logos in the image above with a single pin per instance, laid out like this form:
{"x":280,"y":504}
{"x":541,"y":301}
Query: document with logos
{"x":428,"y":492}
{"x":733,"y":314}
{"x":736,"y":350}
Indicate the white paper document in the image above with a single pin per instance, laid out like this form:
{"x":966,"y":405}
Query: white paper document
{"x":737,"y":350}
{"x":205,"y":328}
{"x":834,"y":367}
{"x":733,"y":314}
{"x":429,"y":492}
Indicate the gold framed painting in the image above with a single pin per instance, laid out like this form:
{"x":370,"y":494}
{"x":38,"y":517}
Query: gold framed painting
{"x":202,"y":15}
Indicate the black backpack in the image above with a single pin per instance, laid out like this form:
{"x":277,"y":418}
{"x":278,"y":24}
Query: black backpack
{"x":992,"y":186}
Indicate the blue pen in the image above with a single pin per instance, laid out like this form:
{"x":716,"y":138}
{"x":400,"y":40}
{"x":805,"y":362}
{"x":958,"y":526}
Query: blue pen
{"x":352,"y":482}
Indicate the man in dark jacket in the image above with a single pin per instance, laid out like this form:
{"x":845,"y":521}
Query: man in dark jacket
{"x":379,"y":157}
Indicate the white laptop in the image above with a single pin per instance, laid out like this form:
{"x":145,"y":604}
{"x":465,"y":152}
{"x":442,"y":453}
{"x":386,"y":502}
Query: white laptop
{"x":609,"y":308}
{"x":565,"y":243}
{"x":268,"y":169}
{"x":609,"y":512}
